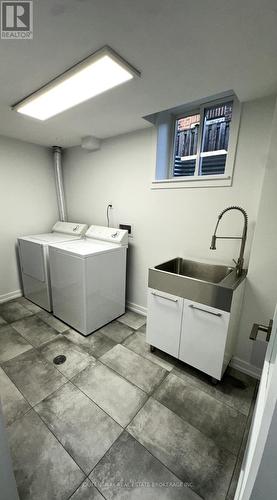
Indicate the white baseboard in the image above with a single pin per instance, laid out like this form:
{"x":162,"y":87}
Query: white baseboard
{"x":136,"y":308}
{"x":9,"y":296}
{"x":245,"y":367}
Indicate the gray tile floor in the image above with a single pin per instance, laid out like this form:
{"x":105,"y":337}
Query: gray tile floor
{"x":115,"y":421}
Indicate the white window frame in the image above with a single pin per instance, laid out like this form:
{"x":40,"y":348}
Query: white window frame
{"x":170,"y":182}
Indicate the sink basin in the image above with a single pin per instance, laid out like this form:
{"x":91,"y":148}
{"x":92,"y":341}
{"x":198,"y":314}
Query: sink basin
{"x":211,"y":273}
{"x":210,"y":284}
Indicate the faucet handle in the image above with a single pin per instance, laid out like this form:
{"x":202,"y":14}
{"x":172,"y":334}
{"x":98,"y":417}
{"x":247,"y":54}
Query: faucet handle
{"x":235,"y":261}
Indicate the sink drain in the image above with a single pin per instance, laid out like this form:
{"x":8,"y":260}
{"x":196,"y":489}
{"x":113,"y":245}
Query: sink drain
{"x":59,"y":360}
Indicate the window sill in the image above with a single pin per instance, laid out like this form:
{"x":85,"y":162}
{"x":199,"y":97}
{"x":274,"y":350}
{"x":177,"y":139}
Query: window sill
{"x":196,"y":182}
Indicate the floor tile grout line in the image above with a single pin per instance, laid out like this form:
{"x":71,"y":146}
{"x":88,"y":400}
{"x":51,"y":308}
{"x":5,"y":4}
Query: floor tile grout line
{"x":130,"y":334}
{"x":2,"y":363}
{"x":80,"y":487}
{"x":30,"y":315}
{"x":7,"y":426}
{"x":132,"y":383}
{"x":28,"y":340}
{"x":121,"y":343}
{"x":88,"y":349}
{"x":68,"y":379}
{"x":25,"y":352}
{"x":235,"y":455}
{"x":52,"y":432}
{"x":91,"y":399}
{"x":126,"y":324}
{"x":31,"y":405}
{"x":124,"y":429}
{"x":249,"y":417}
{"x":212,"y":396}
{"x":121,"y":376}
{"x":37,"y":348}
{"x":107,"y":451}
{"x":148,"y":451}
{"x":161,"y":460}
{"x":145,"y":357}
{"x":232,"y":408}
{"x":16,"y":385}
{"x":93,"y":360}
{"x":141,"y":355}
{"x":59,"y":441}
{"x":148,"y":394}
{"x":127,"y":380}
{"x":94,"y":402}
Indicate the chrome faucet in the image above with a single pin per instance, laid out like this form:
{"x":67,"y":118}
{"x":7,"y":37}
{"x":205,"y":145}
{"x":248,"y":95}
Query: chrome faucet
{"x":239,"y":262}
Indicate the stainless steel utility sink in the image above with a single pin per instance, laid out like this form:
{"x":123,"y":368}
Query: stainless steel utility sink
{"x":212,"y":273}
{"x":210,"y":284}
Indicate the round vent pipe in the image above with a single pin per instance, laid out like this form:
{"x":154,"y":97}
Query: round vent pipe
{"x":57,"y":152}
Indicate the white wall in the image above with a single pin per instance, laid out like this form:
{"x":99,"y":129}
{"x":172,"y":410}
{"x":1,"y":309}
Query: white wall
{"x":27,"y":202}
{"x":167,"y":223}
{"x":261,"y":289}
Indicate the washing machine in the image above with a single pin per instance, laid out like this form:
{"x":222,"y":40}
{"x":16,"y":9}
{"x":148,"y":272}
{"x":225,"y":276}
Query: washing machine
{"x":34,"y":260}
{"x":88,"y":278}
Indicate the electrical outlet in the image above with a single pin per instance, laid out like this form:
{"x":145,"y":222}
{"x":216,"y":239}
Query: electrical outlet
{"x":128,"y":227}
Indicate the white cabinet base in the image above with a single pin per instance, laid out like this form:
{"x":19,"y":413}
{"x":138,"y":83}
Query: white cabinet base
{"x":199,"y":335}
{"x":203,"y":337}
{"x":164,"y":321}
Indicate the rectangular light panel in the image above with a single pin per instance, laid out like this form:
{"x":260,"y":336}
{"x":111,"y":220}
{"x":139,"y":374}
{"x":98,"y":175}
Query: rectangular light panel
{"x":96,"y":74}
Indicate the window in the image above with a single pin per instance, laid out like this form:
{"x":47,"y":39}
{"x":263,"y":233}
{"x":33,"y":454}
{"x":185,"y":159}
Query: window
{"x":201,"y":142}
{"x":196,"y":144}
{"x":186,"y":141}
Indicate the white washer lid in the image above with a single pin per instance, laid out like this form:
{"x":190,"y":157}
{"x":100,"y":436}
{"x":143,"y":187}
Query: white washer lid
{"x":86,"y":247}
{"x":47,"y":238}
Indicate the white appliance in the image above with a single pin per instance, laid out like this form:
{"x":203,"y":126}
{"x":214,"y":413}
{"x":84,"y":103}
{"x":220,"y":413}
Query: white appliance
{"x":88,"y":278}
{"x":33,"y":255}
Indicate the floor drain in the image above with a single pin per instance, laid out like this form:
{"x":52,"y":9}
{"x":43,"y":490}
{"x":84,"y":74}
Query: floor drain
{"x":59,"y":360}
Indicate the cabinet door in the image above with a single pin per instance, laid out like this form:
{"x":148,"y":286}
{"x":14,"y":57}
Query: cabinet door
{"x":203,"y":337}
{"x":164,"y":321}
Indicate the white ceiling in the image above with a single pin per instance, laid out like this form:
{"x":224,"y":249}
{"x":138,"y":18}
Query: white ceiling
{"x":185,"y":50}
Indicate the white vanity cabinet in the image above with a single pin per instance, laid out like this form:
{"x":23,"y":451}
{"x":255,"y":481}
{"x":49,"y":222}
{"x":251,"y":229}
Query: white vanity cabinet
{"x":200,"y":335}
{"x":164,"y":321}
{"x":203,"y":337}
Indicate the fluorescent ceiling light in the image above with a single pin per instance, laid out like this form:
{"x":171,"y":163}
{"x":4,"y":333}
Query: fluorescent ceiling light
{"x":100,"y":72}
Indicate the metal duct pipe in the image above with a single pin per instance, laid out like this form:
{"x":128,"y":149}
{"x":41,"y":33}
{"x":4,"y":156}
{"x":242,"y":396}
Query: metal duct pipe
{"x":57,"y":152}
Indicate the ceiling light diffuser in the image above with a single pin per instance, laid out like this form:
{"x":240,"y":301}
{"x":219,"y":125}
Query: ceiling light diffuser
{"x":100,"y":72}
